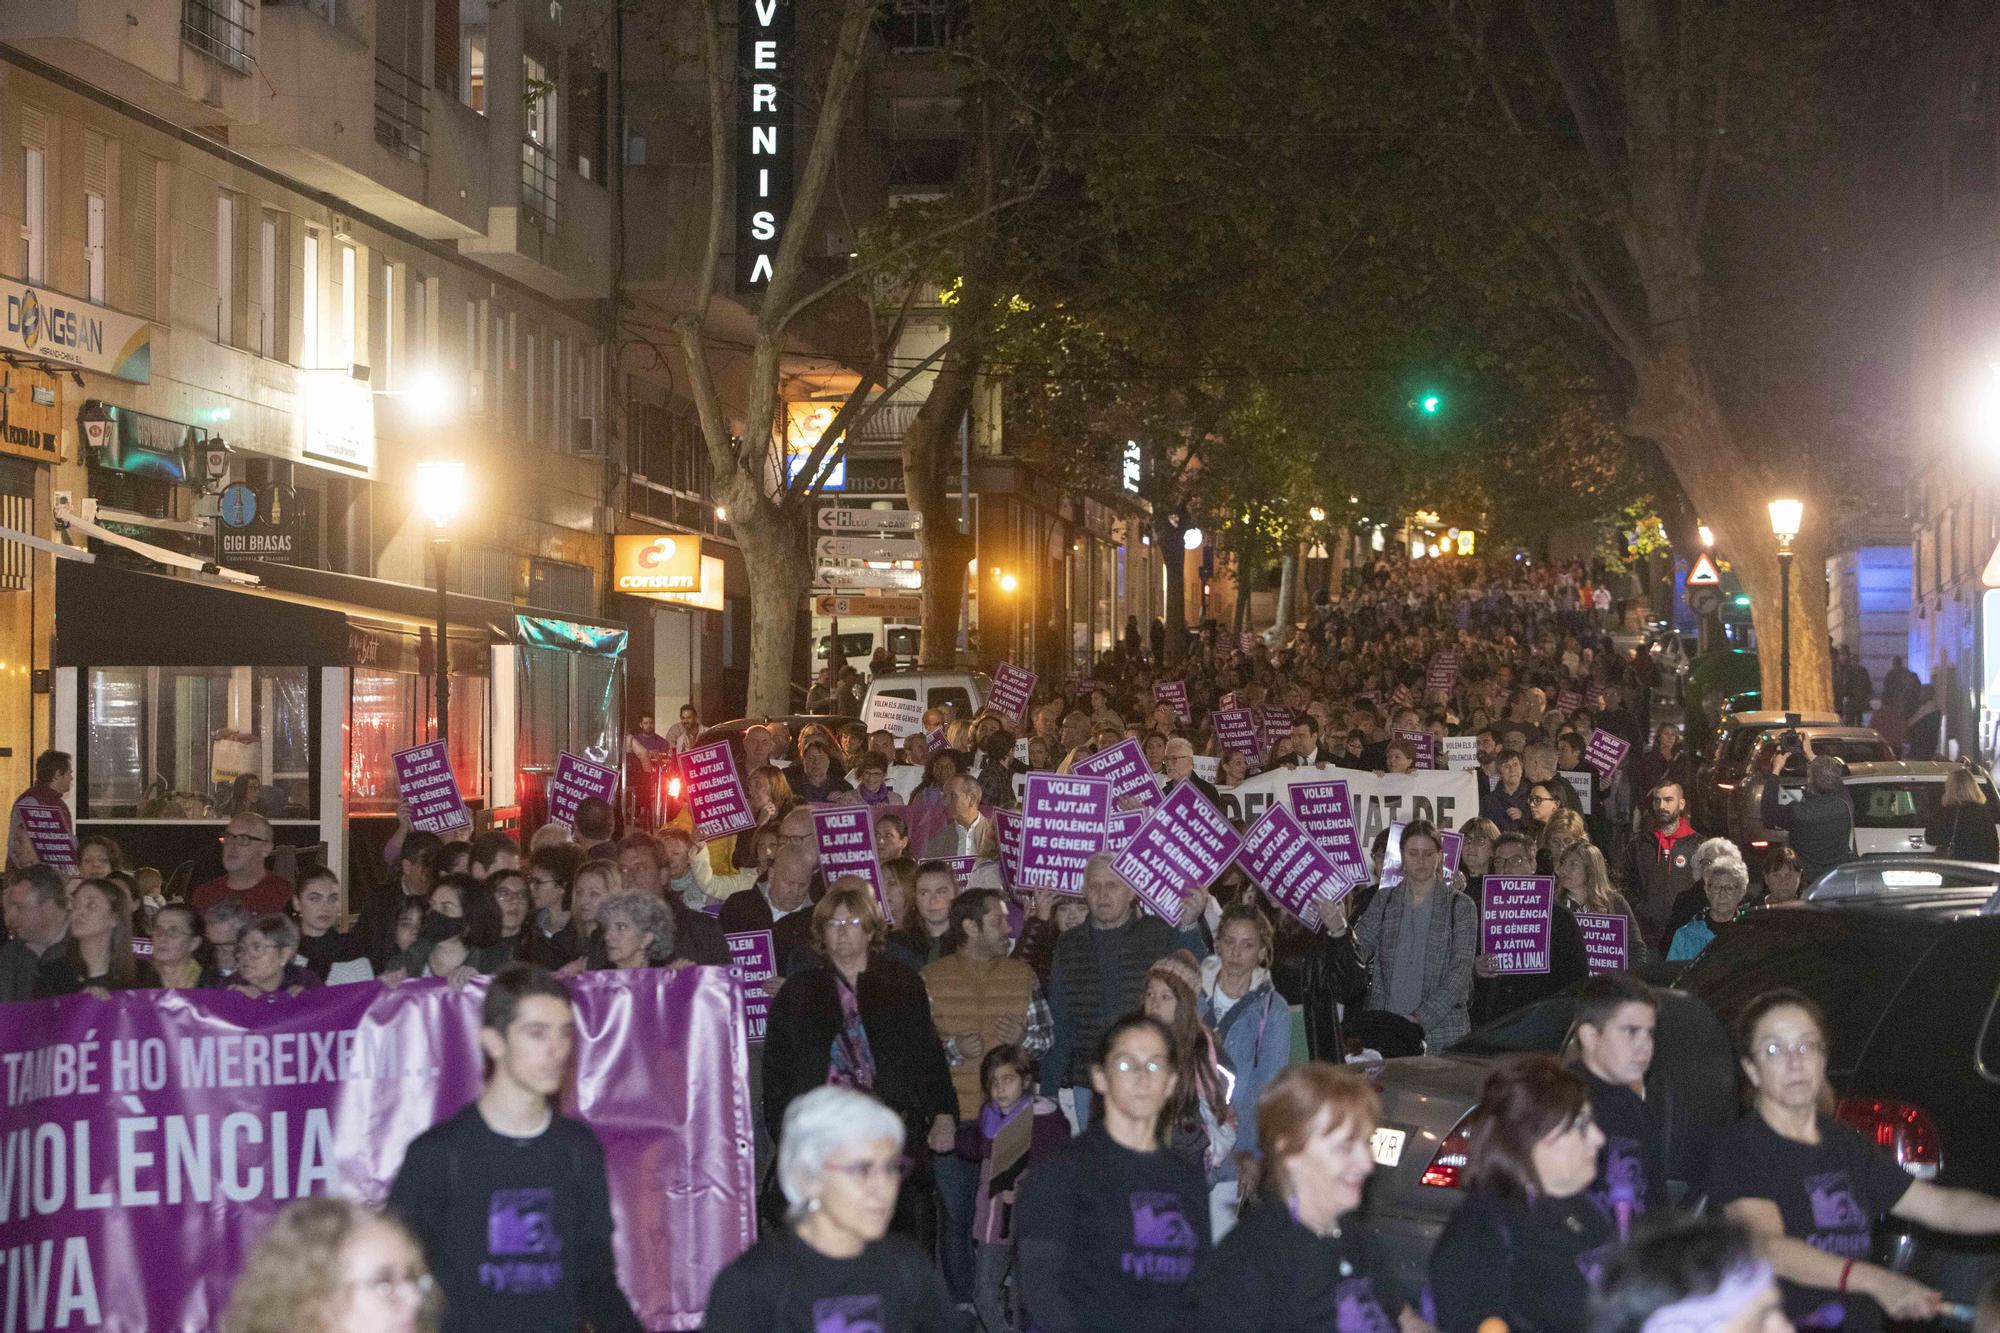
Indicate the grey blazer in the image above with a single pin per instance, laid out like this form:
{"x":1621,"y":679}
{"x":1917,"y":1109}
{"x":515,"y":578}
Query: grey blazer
{"x":1445,"y":1012}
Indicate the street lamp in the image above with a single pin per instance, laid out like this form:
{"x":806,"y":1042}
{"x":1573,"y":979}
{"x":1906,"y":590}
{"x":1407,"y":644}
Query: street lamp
{"x":1786,"y":516}
{"x":1316,"y":514}
{"x":1707,"y":535}
{"x":441,"y":495}
{"x":1192,"y":539}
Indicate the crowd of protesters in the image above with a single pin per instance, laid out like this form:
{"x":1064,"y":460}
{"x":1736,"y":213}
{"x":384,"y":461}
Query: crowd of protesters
{"x":991,"y":1105}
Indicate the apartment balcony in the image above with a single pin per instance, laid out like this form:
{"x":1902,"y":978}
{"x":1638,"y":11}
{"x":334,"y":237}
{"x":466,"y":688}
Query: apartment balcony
{"x":187,"y":61}
{"x":337,"y":117}
{"x":553,"y":234}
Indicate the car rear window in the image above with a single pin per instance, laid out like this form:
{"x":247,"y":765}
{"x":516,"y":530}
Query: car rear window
{"x":1853,"y":749}
{"x":953,"y":697}
{"x":1850,"y":962}
{"x":1895,"y":804}
{"x":903,"y":642}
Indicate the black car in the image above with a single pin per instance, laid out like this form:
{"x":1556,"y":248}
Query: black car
{"x":1906,"y":963}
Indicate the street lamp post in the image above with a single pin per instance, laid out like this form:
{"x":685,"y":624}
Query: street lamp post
{"x":1786,"y":516}
{"x":441,"y":494}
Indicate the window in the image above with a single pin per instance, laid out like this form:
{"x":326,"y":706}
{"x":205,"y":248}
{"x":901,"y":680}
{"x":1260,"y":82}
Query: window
{"x":589,"y":94}
{"x":34,"y":215}
{"x":533,"y":414}
{"x":93,"y":247}
{"x":309,"y":305}
{"x":423,"y":333}
{"x":394,"y":710}
{"x":350,"y":266}
{"x":170,"y":742}
{"x":267,"y":285}
{"x":538,"y":89}
{"x":475,"y":358}
{"x":668,"y":449}
{"x":225,"y":268}
{"x":559,"y":586}
{"x":472,"y":68}
{"x":392,"y":278}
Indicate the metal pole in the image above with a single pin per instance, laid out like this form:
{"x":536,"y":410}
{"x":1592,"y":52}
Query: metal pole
{"x":1785,"y":630}
{"x":441,"y":553}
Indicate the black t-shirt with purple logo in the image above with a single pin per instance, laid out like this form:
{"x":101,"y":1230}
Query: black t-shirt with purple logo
{"x":1632,"y":1168}
{"x":783,"y":1285}
{"x":1273,"y":1274}
{"x":1829,"y":1195}
{"x":1132,"y":1228}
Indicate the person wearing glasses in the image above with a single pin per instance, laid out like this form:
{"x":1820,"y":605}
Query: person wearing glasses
{"x":1810,"y":1189}
{"x":862,"y":1020}
{"x":1111,"y":1230}
{"x":834,"y":1265}
{"x":509,"y":1198}
{"x":1527,"y":1240}
{"x":246,"y":845}
{"x":330,"y":1265}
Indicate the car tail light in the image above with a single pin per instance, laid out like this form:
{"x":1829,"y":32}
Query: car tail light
{"x":1905,"y":1131}
{"x":1447,"y":1168}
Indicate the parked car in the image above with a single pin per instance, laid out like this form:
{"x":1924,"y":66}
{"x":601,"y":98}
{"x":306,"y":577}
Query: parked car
{"x":1723,"y":762}
{"x":1906,"y":962}
{"x":1850,"y":745}
{"x":1895,"y":802}
{"x":964,"y":692}
{"x":794,"y":724}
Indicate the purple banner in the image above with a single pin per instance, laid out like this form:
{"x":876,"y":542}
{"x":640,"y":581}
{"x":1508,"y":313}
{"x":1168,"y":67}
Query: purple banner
{"x":1326,"y":812}
{"x":1442,"y":673}
{"x":846,"y":836}
{"x":1236,"y":728}
{"x":49,"y":833}
{"x":1007,"y":827}
{"x":1174,"y":693}
{"x":423,"y":778}
{"x":577,"y":780}
{"x":714,"y":792}
{"x":1063,"y":820}
{"x":1604,"y":752}
{"x":1605,"y":941}
{"x":1425,"y":744}
{"x":169,"y":1127}
{"x":1282,"y":859}
{"x":753,"y":960}
{"x":1125,"y":766}
{"x":1277,"y":724}
{"x":1012,"y":688}
{"x":1517,"y":923}
{"x":1183,"y":846}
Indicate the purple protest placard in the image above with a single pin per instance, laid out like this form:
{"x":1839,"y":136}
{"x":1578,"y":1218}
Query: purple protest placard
{"x":49,"y":832}
{"x":961,"y":870}
{"x":1606,"y":942}
{"x":1326,"y":812}
{"x":1277,"y":724}
{"x":1569,"y":699}
{"x":1118,"y":830}
{"x":1012,"y":688}
{"x":1125,"y":766}
{"x":179,"y":1123}
{"x":1007,"y":827}
{"x":577,"y":780}
{"x":1281,"y":858}
{"x":1063,"y":820}
{"x":1517,"y":923}
{"x":1183,"y":846}
{"x":1442,"y":673}
{"x":423,"y":778}
{"x":1174,"y":693}
{"x":1604,"y":752}
{"x":1450,"y":843}
{"x":1236,"y":728}
{"x":846,"y":835}
{"x":934,"y":739}
{"x":753,"y":960}
{"x":1425,"y":744}
{"x":714,"y":792}
{"x":1594,"y":697}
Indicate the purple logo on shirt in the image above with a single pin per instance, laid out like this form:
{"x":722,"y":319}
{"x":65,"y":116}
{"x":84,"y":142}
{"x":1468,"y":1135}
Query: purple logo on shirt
{"x":848,"y":1314}
{"x":1833,"y":1203}
{"x":1357,"y":1311}
{"x":1159,"y":1224}
{"x":522,"y":1222}
{"x":1624,"y":1176}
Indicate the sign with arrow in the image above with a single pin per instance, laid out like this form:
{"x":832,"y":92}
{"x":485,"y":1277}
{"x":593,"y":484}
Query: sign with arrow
{"x":1704,"y":574}
{"x":837,"y":519}
{"x":831,"y":578}
{"x":868,"y":548}
{"x":889,"y":608}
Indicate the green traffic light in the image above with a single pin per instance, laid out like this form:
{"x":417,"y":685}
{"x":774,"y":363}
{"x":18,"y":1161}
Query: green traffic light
{"x":1430,"y":403}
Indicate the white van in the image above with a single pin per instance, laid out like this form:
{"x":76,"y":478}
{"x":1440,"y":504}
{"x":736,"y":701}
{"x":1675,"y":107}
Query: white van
{"x":860,"y":636}
{"x":964,"y":692}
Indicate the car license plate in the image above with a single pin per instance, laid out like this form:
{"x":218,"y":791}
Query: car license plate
{"x":1387,"y":1146}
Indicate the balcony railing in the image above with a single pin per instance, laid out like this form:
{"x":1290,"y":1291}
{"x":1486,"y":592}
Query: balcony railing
{"x":219,"y":28}
{"x":400,"y":117}
{"x":538,"y":184}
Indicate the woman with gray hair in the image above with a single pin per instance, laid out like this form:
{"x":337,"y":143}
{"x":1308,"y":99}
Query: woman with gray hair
{"x":638,"y":932}
{"x":1723,"y":883}
{"x":834,"y":1266}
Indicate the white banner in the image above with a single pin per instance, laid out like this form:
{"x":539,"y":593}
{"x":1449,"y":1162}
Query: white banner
{"x":1446,"y":798}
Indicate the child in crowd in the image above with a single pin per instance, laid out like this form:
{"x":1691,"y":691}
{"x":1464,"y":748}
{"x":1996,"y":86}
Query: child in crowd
{"x":1015,"y":1129}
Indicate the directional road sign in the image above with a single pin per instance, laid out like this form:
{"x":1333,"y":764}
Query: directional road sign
{"x":847,"y":519}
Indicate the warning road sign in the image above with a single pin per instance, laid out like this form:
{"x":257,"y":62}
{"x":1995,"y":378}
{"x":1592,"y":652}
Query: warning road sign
{"x":1704,"y":574}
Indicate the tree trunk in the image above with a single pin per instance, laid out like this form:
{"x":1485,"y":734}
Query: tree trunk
{"x":774,"y":549}
{"x":1241,"y":620}
{"x":1677,"y":409}
{"x":1288,"y":594}
{"x":1168,"y":536}
{"x":930,"y":449}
